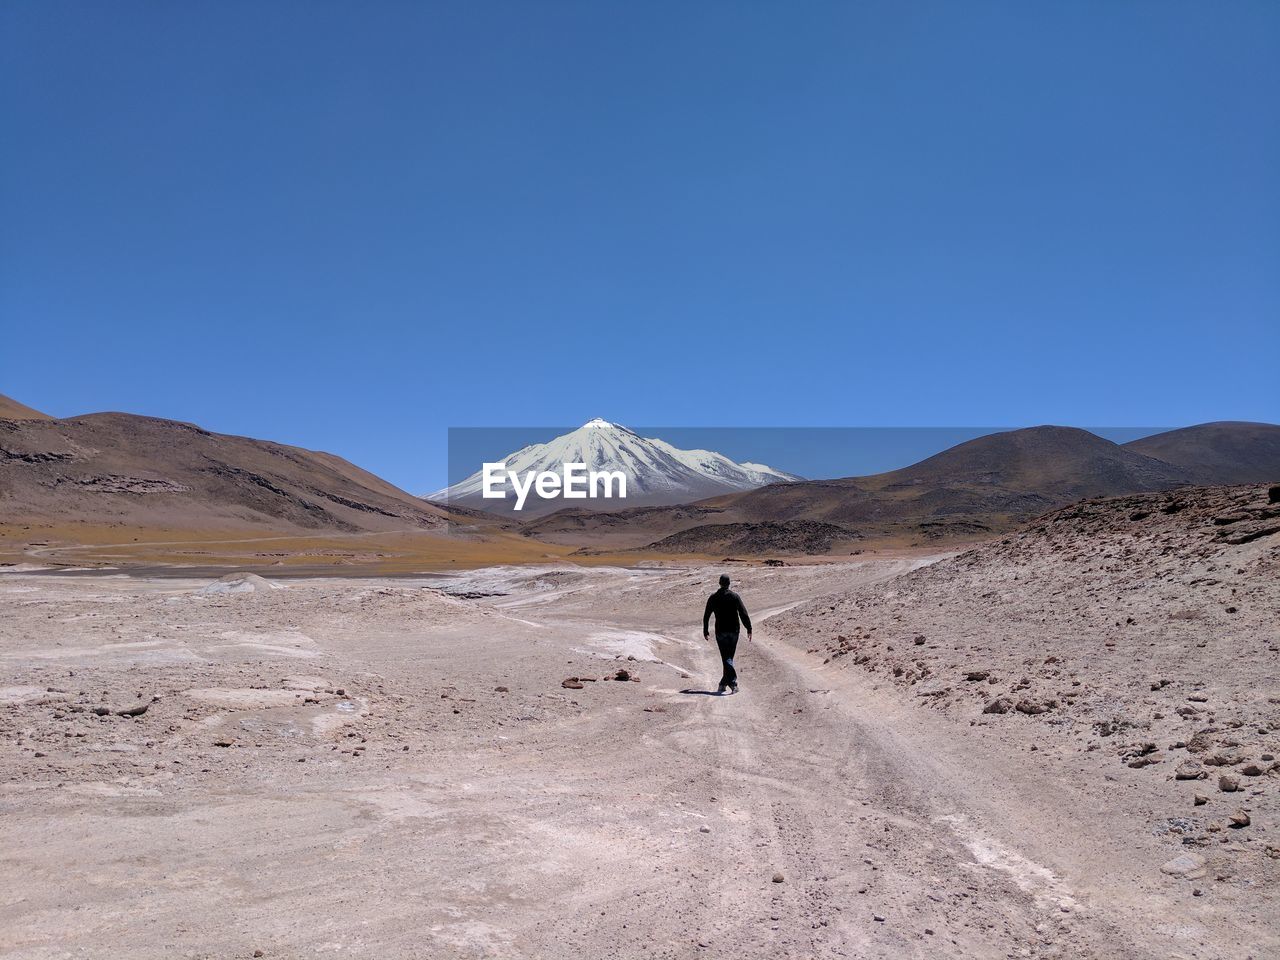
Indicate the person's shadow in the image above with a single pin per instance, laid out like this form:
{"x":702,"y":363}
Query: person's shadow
{"x":704,"y":693}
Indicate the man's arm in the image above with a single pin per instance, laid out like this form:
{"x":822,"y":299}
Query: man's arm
{"x":706,"y":618}
{"x":742,"y":612}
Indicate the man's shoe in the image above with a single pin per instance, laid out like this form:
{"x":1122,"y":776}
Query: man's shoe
{"x":720,"y":691}
{"x":733,"y":688}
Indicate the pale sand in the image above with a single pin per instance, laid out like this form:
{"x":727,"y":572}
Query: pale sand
{"x":420,"y":812}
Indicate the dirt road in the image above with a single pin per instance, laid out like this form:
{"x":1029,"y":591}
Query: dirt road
{"x":379,"y":769}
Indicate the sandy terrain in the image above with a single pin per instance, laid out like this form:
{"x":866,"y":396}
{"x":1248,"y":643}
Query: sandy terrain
{"x":394,"y":768}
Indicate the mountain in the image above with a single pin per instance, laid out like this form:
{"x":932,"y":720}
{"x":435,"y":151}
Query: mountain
{"x":656,"y":472}
{"x":974,"y":489}
{"x":11,"y":409}
{"x":1057,"y":463}
{"x":125,"y":470}
{"x":990,"y":482}
{"x":1214,"y":453}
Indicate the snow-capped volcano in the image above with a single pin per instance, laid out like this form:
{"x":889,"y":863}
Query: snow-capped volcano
{"x":656,"y":472}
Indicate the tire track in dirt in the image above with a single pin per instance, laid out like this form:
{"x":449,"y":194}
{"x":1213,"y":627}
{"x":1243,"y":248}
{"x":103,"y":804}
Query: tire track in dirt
{"x":943,"y":827}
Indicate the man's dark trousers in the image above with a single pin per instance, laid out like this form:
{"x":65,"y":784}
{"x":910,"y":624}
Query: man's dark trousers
{"x":728,"y":644}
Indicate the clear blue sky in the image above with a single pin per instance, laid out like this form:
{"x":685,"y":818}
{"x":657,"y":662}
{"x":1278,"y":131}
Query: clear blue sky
{"x":353,"y":225}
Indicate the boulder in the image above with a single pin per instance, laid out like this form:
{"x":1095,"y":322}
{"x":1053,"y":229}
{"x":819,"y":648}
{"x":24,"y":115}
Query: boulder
{"x":240,"y":583}
{"x":1188,"y":866}
{"x":1033,"y":707}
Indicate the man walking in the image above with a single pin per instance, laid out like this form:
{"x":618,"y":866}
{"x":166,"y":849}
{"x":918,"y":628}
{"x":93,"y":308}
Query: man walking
{"x":728,"y":607}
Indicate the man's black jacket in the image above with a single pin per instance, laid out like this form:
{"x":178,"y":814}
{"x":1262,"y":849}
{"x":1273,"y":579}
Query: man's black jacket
{"x":727,"y":606}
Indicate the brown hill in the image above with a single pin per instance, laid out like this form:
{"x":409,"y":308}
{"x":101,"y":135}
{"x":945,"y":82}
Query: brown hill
{"x":979,"y":487}
{"x":120,"y":469}
{"x":1224,"y":452}
{"x":11,"y":409}
{"x":1059,"y":463}
{"x":992,"y":480}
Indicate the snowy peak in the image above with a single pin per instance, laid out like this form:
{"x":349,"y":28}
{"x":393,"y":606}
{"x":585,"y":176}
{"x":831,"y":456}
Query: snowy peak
{"x":656,"y":472}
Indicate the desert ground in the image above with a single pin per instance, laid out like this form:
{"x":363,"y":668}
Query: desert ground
{"x":529,"y":761}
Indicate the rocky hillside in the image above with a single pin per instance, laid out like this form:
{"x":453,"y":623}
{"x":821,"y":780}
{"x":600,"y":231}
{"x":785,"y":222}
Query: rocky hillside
{"x":1218,"y":453}
{"x":1140,"y":632}
{"x":11,"y":409}
{"x":119,"y":469}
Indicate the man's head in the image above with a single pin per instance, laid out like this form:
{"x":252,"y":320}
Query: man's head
{"x":724,"y":579}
